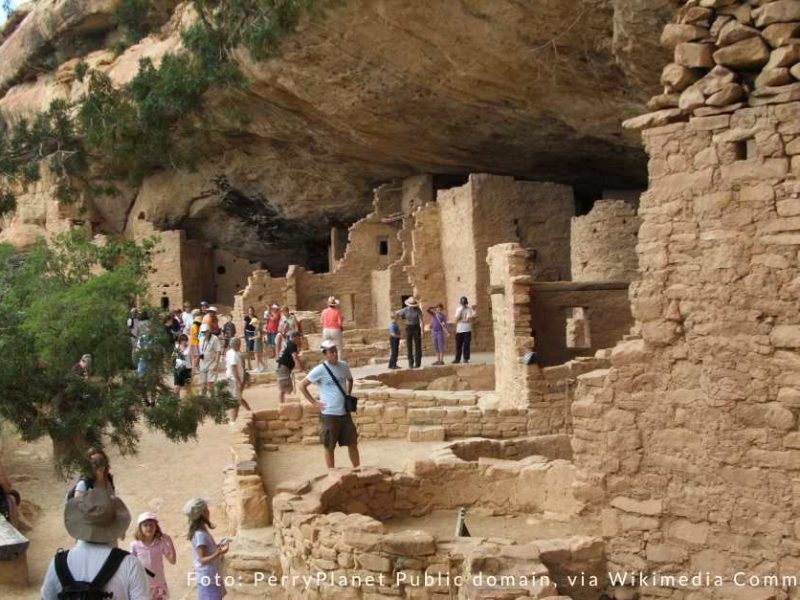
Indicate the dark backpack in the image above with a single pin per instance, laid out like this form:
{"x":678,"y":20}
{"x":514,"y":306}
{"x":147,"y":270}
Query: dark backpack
{"x":83,"y":590}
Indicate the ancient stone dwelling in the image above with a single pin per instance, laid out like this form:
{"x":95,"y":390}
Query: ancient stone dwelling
{"x":659,"y":420}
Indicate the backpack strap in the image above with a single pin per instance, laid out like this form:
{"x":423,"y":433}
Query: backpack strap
{"x":62,"y":570}
{"x":336,"y":381}
{"x":108,"y":569}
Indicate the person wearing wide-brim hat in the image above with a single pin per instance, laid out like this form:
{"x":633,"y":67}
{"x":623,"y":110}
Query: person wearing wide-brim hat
{"x":97,"y":520}
{"x":333,"y":325}
{"x":412,"y":315}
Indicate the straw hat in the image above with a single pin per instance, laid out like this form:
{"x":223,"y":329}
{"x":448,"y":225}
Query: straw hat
{"x":332,"y":301}
{"x":96,"y":517}
{"x":411,"y":301}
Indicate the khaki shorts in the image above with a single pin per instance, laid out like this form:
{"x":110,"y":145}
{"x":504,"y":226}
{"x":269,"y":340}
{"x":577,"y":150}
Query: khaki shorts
{"x":335,"y":429}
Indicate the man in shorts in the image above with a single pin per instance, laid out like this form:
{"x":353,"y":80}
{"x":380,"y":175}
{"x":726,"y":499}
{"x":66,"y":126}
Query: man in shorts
{"x":287,"y":361}
{"x":337,"y":425}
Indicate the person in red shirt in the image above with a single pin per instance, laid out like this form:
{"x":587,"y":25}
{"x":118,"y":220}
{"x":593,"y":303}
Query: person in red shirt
{"x":272,"y":321}
{"x":333,"y":325}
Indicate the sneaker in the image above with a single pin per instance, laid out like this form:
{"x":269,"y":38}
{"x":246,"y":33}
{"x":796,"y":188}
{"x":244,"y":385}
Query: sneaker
{"x":456,"y":362}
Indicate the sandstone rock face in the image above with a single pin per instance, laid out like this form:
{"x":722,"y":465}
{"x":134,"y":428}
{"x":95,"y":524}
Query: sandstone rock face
{"x":371,"y":92}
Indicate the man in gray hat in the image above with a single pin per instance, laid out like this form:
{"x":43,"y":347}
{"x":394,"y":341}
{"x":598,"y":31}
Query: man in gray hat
{"x":96,"y":520}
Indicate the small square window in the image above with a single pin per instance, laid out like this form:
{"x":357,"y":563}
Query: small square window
{"x":383,"y":246}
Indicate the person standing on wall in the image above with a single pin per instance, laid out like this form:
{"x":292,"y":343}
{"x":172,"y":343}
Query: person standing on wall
{"x":412,"y":314}
{"x":464,"y":317}
{"x":333,"y":325}
{"x":337,"y":423}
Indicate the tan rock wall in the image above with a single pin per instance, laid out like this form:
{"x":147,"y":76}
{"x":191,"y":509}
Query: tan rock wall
{"x":459,"y":254}
{"x":546,"y":392}
{"x":230,"y":275}
{"x":690,"y":436}
{"x":329,"y":528}
{"x":490,"y":210}
{"x":426,"y":270}
{"x":245,"y":500}
{"x":262,"y":289}
{"x":603,"y":243}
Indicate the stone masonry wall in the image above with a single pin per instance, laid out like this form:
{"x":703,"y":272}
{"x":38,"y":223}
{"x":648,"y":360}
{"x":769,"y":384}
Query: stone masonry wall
{"x":603,"y":243}
{"x":261,"y":290}
{"x":691,"y":437}
{"x":327,"y":529}
{"x":510,"y":279}
{"x":489,"y":210}
{"x":231,"y":275}
{"x":546,"y":392}
{"x":606,"y":317}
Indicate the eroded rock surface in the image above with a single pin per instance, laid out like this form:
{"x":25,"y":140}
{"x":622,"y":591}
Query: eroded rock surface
{"x":376,"y":90}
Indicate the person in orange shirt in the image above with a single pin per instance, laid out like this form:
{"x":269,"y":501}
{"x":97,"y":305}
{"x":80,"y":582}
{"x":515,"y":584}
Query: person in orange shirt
{"x":333,"y":325}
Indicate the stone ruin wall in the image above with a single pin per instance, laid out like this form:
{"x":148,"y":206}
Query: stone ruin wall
{"x":691,"y":437}
{"x":489,"y":210}
{"x":426,"y":269}
{"x":230,"y":274}
{"x":306,"y":290}
{"x":546,"y":394}
{"x":572,"y":319}
{"x":603,"y":243}
{"x":329,"y":525}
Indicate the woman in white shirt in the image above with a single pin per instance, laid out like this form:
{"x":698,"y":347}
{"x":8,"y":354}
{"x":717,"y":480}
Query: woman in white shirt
{"x":464,"y":317}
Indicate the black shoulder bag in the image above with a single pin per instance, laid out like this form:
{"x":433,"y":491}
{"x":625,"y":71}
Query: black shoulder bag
{"x":350,"y":402}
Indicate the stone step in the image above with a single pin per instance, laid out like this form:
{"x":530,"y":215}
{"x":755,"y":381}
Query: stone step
{"x":426,"y":433}
{"x":252,"y":551}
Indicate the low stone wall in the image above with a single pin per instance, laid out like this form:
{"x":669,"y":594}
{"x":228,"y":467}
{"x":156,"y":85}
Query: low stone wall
{"x":506,"y":476}
{"x":465,"y":377}
{"x":326,"y":530}
{"x":385,"y":413}
{"x":245,"y":500}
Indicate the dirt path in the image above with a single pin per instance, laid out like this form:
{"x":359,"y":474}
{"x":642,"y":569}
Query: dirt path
{"x":163,"y":475}
{"x":160,"y":478}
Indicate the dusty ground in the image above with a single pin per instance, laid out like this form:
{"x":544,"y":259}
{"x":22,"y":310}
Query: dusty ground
{"x":163,"y":475}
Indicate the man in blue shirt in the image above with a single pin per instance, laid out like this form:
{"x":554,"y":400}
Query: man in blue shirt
{"x":337,"y":425}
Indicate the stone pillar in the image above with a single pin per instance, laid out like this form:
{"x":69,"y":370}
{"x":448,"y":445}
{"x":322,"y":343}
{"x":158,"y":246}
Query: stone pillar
{"x":510,"y":281}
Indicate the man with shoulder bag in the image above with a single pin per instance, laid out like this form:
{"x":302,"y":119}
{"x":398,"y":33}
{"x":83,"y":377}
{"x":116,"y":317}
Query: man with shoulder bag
{"x":332,"y":377}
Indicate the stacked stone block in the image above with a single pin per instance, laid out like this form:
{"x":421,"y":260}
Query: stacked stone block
{"x":689,"y":438}
{"x":727,"y":55}
{"x":328,"y":526}
{"x":603,"y":243}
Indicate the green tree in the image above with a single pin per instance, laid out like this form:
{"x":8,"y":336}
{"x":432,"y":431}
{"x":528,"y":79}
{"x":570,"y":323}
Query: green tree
{"x":72,"y":297}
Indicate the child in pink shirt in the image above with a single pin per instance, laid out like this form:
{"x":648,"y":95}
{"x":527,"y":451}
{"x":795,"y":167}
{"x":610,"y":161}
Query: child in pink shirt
{"x":151,"y":547}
